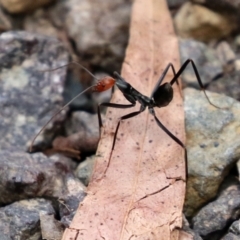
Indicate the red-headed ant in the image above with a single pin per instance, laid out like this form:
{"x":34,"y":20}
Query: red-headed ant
{"x":161,"y":96}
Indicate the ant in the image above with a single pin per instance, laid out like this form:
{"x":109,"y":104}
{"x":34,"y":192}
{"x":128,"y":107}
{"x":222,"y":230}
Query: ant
{"x":161,"y":96}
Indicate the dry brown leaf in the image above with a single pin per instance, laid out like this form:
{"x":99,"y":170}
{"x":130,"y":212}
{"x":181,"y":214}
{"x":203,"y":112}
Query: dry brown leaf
{"x":74,"y":144}
{"x":142,"y":194}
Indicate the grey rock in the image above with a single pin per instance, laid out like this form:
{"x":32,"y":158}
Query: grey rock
{"x":215,"y":216}
{"x":21,"y":220}
{"x":51,"y":228}
{"x":25,"y":176}
{"x":238,"y":168}
{"x":225,"y":53}
{"x":5,"y":21}
{"x":222,"y":6}
{"x":230,"y":236}
{"x":84,"y":170}
{"x":227,"y":84}
{"x":237,"y":40}
{"x":20,"y":7}
{"x":172,"y":4}
{"x":82,"y":121}
{"x":99,"y":29}
{"x":202,"y":23}
{"x":205,"y":58}
{"x":29,"y":97}
{"x":233,"y":232}
{"x":77,"y":80}
{"x":213,"y":144}
{"x":235,"y":227}
{"x":186,"y":228}
{"x":39,"y":23}
{"x":74,"y":193}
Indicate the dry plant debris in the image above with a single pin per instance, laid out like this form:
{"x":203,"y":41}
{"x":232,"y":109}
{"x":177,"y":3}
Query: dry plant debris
{"x":142,"y":193}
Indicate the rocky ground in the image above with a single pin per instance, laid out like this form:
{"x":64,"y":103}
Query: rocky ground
{"x":48,"y":184}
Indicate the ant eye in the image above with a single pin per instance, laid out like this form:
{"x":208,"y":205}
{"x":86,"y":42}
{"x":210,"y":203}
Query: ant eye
{"x":163,"y":95}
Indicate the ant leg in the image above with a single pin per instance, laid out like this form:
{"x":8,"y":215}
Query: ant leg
{"x":159,"y":82}
{"x":180,"y":71}
{"x":130,"y":115}
{"x":121,"y":118}
{"x":178,"y":141}
{"x":113,"y":105}
{"x":151,"y":110}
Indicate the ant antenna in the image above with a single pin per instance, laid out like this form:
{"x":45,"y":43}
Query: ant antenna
{"x":103,"y":84}
{"x":72,"y":62}
{"x":45,"y":125}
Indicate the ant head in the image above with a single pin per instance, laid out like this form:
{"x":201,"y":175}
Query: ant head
{"x":104,"y":84}
{"x":163,"y":95}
